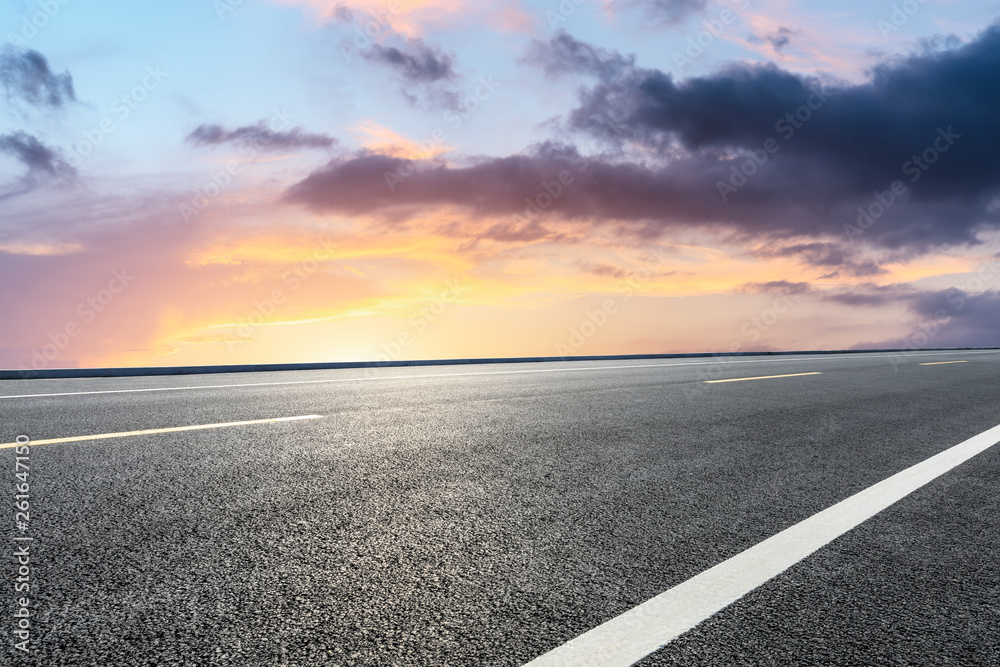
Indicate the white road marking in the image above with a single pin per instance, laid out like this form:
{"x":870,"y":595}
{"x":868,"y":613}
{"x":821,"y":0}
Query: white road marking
{"x":642,"y":630}
{"x":176,"y":429}
{"x":938,"y":363}
{"x":763,"y":377}
{"x":720,"y":360}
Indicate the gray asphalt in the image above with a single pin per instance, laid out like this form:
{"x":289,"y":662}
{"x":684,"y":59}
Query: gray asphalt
{"x":483,"y":515}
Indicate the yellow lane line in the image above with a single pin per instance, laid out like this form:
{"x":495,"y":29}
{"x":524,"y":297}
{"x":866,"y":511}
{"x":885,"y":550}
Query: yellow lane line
{"x":763,"y":377}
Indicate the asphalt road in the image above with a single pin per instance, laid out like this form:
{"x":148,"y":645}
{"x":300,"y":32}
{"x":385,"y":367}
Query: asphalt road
{"x":484,"y":515}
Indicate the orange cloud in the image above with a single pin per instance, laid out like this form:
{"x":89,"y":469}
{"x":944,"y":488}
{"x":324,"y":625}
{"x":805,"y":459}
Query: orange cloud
{"x":409,"y":17}
{"x":381,"y":139}
{"x":260,"y":282}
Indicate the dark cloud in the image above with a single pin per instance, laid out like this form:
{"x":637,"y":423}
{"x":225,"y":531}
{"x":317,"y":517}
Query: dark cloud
{"x":27,"y":75}
{"x":666,"y":11}
{"x":259,"y":136}
{"x":42,"y":162}
{"x":604,"y":270}
{"x":876,"y":296}
{"x":563,"y":54}
{"x":695,"y":134}
{"x":776,"y":287}
{"x":778,"y":39}
{"x":843,"y":258}
{"x":650,"y":198}
{"x":508,"y":232}
{"x":415,"y":61}
{"x":34,"y":154}
{"x":964,"y":320}
{"x":963,"y":316}
{"x":860,"y":139}
{"x":863,"y":133}
{"x":852,"y":269}
{"x":425,"y":70}
{"x":550,"y":179}
{"x":943,"y":318}
{"x":371,"y":183}
{"x":343,"y":14}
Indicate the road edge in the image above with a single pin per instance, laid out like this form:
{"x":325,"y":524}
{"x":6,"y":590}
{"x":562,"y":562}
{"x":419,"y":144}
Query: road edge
{"x":65,"y":373}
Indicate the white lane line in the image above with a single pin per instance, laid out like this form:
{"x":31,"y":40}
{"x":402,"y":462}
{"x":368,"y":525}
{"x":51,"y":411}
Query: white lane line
{"x":764,"y":377}
{"x":719,"y":360}
{"x":938,"y":363}
{"x":175,"y":429}
{"x":642,"y":630}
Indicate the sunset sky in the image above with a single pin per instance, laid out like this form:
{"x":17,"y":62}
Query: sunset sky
{"x":257,"y":181}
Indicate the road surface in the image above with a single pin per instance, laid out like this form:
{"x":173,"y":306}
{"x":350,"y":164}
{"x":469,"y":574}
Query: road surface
{"x":487,"y":515}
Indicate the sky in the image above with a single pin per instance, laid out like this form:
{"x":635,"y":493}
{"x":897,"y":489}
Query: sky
{"x":265,"y":181}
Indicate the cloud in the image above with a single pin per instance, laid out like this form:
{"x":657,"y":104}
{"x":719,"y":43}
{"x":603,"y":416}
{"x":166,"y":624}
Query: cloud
{"x":950,"y":317}
{"x":656,"y":198}
{"x":778,"y":39}
{"x":41,"y":161}
{"x":415,"y":61}
{"x":855,"y":142}
{"x":34,"y":154}
{"x":666,"y":11}
{"x":260,"y":137}
{"x":342,"y":14}
{"x":529,"y":232}
{"x":424,"y":70}
{"x":972,"y":320}
{"x":826,"y":255}
{"x":412,"y":17}
{"x":26,"y":74}
{"x":776,"y":287}
{"x":954,"y":317}
{"x":563,"y":54}
{"x":939,"y":318}
{"x":871,"y":128}
{"x":378,"y":138}
{"x":603,"y":270}
{"x":371,"y":183}
{"x":676,"y":142}
{"x":875,"y":296}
